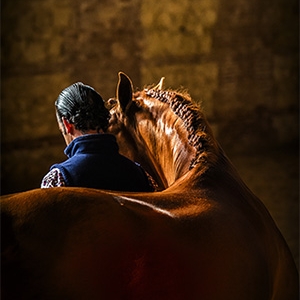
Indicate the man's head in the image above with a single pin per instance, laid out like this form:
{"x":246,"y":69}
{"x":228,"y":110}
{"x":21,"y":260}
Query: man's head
{"x":80,"y":108}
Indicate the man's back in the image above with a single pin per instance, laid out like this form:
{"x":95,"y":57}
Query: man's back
{"x":94,"y":162}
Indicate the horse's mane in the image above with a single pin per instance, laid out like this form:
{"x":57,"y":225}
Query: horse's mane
{"x":199,"y":133}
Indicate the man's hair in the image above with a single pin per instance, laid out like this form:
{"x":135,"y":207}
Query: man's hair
{"x":82,"y":106}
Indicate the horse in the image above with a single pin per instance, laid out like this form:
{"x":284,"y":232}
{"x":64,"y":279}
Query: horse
{"x":201,"y":235}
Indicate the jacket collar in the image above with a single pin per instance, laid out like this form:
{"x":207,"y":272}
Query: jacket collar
{"x":92,"y":143}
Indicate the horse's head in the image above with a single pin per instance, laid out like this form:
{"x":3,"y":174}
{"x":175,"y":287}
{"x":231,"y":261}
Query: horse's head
{"x":161,"y":129}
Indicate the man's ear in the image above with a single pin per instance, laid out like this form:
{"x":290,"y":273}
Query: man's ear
{"x":69,"y":128}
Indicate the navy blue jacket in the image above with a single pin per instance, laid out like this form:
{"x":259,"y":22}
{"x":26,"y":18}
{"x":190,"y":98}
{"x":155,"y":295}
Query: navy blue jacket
{"x":94,"y":161}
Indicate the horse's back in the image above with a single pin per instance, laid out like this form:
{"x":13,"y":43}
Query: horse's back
{"x":86,"y":244}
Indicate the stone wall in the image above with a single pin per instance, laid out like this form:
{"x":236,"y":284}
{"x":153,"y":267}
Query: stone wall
{"x":239,"y":58}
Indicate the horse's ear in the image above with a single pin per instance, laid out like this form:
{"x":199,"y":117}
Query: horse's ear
{"x":124,"y":90}
{"x":159,"y":86}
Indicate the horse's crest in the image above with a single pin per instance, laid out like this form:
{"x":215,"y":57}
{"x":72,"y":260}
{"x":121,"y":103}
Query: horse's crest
{"x":192,"y":117}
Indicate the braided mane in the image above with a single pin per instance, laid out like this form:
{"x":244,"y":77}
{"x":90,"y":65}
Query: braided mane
{"x":192,"y":117}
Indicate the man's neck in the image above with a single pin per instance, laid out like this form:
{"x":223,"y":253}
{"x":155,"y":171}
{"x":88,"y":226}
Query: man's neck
{"x":77,"y":133}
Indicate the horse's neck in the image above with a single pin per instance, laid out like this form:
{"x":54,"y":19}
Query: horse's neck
{"x":131,"y":146}
{"x":167,"y":140}
{"x":176,"y":133}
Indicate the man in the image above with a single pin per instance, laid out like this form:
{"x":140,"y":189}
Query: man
{"x":93,"y":160}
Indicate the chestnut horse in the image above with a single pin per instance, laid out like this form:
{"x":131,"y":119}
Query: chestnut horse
{"x":203,"y":235}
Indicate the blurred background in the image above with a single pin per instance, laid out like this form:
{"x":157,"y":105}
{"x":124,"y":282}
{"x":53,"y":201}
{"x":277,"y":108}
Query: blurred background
{"x":238,"y":58}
